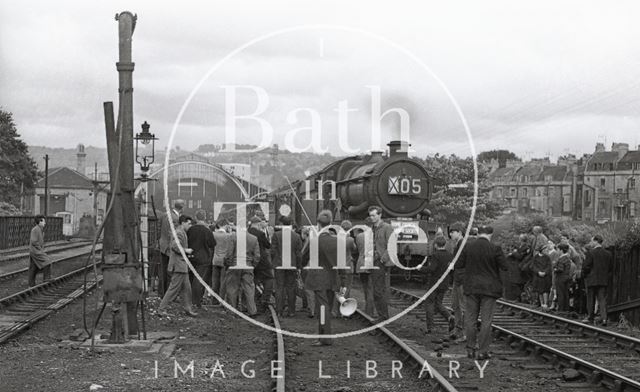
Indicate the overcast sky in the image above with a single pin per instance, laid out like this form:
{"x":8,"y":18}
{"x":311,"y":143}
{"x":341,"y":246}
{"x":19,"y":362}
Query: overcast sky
{"x":535,"y":77}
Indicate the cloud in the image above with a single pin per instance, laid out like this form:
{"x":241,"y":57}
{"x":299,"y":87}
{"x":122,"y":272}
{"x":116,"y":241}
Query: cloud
{"x":535,"y":78}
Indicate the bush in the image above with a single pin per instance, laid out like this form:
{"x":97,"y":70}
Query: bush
{"x":8,"y":209}
{"x":579,"y":233}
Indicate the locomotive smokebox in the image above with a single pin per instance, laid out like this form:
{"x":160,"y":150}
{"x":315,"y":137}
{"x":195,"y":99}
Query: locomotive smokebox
{"x":398,"y":148}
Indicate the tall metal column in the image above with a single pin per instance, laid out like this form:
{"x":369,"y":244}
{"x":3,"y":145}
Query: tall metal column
{"x":46,"y":185}
{"x":122,"y":269}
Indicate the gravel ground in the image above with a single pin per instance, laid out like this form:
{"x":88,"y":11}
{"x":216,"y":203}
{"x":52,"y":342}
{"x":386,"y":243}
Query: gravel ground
{"x":40,"y":359}
{"x":507,"y":370}
{"x":218,"y":342}
{"x":343,"y":365}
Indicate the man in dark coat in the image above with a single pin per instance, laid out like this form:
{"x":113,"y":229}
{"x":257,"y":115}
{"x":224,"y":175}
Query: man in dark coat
{"x":457,"y":295}
{"x":263,"y":272}
{"x":39,"y":260}
{"x":482,"y":261}
{"x":436,"y":267}
{"x":326,"y":280}
{"x":201,"y":240}
{"x":597,"y":270}
{"x":165,"y":244}
{"x":516,"y":277}
{"x":562,"y":270}
{"x":286,"y":277}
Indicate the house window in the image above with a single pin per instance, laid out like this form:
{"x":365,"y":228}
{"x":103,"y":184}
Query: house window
{"x":587,"y":198}
{"x":525,"y":192}
{"x":513,"y":191}
{"x":602,"y":205}
{"x":632,"y":183}
{"x":499,"y":192}
{"x":199,"y":203}
{"x":190,"y":203}
{"x":603,"y":182}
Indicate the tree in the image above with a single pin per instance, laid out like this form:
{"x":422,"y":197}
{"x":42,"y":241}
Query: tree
{"x":18,"y":171}
{"x":501,"y":155}
{"x":7,"y":209}
{"x":450,"y":205}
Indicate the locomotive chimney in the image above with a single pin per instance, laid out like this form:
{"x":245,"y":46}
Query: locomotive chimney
{"x":398,"y":148}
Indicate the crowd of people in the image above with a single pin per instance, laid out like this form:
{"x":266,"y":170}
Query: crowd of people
{"x":561,"y":276}
{"x":213,"y":250}
{"x":555,"y":277}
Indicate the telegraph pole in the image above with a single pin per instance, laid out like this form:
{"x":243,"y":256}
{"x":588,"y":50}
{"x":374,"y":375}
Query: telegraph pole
{"x":46,"y":185}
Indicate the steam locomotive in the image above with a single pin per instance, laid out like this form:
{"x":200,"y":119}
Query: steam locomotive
{"x":398,"y":184}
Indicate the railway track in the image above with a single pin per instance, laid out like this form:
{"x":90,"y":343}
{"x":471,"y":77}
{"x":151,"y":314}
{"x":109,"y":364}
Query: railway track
{"x":604,"y":358}
{"x":278,"y":383}
{"x":13,"y":272}
{"x":23,"y":253}
{"x":407,"y":353}
{"x":300,"y":371}
{"x":21,"y":310}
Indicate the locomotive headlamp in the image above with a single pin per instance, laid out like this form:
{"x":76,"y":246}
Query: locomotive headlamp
{"x":145,"y":160}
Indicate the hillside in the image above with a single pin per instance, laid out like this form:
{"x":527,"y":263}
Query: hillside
{"x":267,"y":169}
{"x":67,"y":156}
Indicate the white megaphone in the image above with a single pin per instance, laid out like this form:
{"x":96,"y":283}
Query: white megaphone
{"x":348,"y":306}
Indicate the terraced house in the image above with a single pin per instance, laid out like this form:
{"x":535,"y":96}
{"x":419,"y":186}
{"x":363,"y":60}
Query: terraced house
{"x":603,"y":186}
{"x":610,"y":184}
{"x":537,"y":186}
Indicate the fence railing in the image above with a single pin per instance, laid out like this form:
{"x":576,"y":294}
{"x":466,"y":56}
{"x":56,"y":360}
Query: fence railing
{"x":15,"y":231}
{"x":624,"y":290}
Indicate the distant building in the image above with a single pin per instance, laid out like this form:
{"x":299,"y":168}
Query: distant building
{"x":610,"y":188}
{"x":535,"y":186}
{"x":69,"y":192}
{"x":603,"y":186}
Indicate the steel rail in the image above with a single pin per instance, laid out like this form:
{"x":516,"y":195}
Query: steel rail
{"x":66,"y":258}
{"x":633,"y":342}
{"x":28,"y":292}
{"x":42,"y":312}
{"x":279,"y":379}
{"x":597,"y":373}
{"x":439,"y":381}
{"x":21,"y":254}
